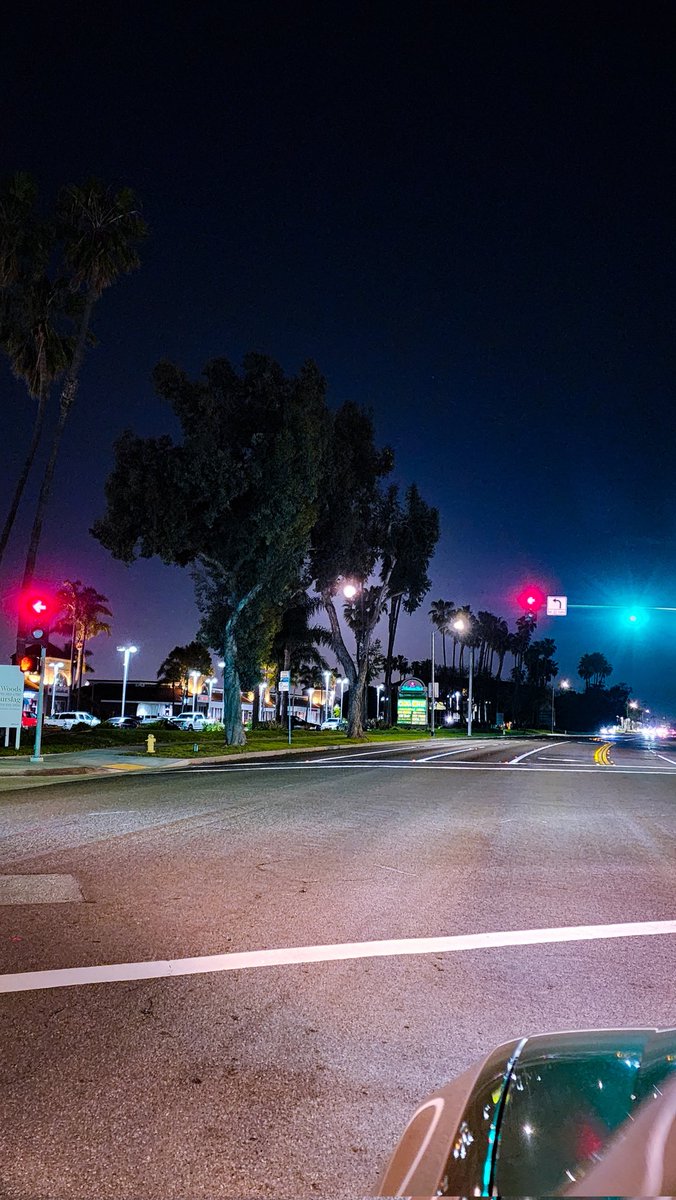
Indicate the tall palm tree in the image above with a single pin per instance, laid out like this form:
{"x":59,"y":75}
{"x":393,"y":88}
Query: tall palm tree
{"x":32,"y":307}
{"x":100,"y":231}
{"x":440,"y":614}
{"x":81,"y":611}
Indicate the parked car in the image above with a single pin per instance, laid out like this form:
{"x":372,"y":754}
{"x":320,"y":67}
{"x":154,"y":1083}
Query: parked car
{"x":66,"y":720}
{"x":124,"y":722}
{"x":188,"y":720}
{"x":333,"y":723}
{"x":28,"y":720}
{"x":301,"y":723}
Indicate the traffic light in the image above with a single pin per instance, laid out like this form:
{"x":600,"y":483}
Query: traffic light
{"x":29,"y":664}
{"x":38,"y":609}
{"x":531,"y":598}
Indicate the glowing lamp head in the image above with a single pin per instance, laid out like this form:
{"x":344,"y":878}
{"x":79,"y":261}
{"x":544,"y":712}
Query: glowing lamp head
{"x":349,"y":591}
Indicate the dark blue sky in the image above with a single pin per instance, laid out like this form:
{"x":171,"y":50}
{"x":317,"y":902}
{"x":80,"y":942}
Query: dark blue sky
{"x":463,"y":213}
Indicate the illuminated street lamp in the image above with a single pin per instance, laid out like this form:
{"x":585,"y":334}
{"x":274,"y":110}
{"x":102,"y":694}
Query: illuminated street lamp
{"x":462,"y":626}
{"x":210,"y":682}
{"x":350,"y":591}
{"x":127,"y":651}
{"x":194,"y":675}
{"x":342,"y":693}
{"x":563,"y":686}
{"x":56,"y":667}
{"x":327,"y":676}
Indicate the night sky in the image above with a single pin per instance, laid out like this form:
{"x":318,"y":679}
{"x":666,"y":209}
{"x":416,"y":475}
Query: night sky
{"x":463,"y":212}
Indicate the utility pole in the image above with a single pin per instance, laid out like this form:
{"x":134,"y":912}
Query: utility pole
{"x":432,"y":686}
{"x":470,"y":691}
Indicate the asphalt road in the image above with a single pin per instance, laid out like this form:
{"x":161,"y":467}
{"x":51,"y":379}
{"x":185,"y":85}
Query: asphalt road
{"x":295,"y":1079}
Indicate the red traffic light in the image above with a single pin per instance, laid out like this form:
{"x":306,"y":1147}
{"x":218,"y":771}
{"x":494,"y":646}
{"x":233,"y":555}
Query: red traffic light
{"x":29,"y":664}
{"x":38,"y":609}
{"x":531,"y":598}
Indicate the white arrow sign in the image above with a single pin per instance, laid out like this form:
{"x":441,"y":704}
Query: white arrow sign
{"x":557,"y":606}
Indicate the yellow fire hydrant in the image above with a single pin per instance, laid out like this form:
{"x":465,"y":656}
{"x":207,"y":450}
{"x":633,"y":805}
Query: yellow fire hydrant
{"x":150,"y":742}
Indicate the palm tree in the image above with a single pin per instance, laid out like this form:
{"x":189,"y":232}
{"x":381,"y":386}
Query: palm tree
{"x":82,"y":609}
{"x":32,"y":307}
{"x":594,"y":669}
{"x":181,"y":661}
{"x":440,"y":614}
{"x":100,"y":231}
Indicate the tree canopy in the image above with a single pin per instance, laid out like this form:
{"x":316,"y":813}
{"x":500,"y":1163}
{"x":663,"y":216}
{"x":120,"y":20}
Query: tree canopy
{"x":235,"y":498}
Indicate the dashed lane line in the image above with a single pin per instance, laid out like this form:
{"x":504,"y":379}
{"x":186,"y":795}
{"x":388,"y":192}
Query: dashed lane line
{"x":293,"y":955}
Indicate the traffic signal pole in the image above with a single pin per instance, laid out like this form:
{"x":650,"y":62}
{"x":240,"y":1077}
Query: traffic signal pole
{"x":36,"y":757}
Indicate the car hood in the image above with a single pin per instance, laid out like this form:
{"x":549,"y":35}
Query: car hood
{"x":532,"y":1118}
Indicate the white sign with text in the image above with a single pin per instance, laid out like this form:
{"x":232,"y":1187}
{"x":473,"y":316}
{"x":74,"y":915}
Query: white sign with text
{"x":11,"y":697}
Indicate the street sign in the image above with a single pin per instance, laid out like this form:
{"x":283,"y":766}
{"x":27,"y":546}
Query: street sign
{"x":557,"y":606}
{"x":284,"y":681}
{"x":11,"y":701}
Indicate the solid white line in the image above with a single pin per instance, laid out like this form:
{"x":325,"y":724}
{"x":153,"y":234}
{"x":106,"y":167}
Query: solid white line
{"x":538,"y":750}
{"x":292,"y":955}
{"x":663,"y":756}
{"x":412,"y":764}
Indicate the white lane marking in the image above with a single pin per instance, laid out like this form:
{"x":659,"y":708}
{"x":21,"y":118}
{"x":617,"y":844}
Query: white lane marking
{"x":538,"y":750}
{"x":413,"y":764}
{"x":575,"y":762}
{"x":468,"y":746}
{"x":663,"y":756}
{"x":362,"y":753}
{"x":286,"y":956}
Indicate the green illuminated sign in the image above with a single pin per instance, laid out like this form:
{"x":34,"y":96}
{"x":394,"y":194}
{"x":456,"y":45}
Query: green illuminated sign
{"x":412,"y":703}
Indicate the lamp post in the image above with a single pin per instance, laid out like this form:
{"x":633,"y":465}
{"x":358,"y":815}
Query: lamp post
{"x":221,"y":667}
{"x":210,"y":682}
{"x":194,"y":675}
{"x":378,"y":691}
{"x":342,"y":693}
{"x":127,"y":651}
{"x":462,"y":626}
{"x":56,"y":667}
{"x":310,"y":694}
{"x":327,"y":676}
{"x":564,"y":685}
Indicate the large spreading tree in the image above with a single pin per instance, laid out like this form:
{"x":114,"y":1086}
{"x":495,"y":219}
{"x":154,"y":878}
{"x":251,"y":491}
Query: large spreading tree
{"x":370,"y":541}
{"x":234,"y":499}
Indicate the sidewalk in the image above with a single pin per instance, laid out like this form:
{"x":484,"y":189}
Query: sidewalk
{"x":23,"y":772}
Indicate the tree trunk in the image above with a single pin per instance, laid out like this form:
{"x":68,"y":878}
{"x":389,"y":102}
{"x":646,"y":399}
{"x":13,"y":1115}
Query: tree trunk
{"x":71,"y":673}
{"x":355,"y":713}
{"x":232,"y":694}
{"x":80,"y":668}
{"x":68,"y":395}
{"x":25,"y":471}
{"x":392,"y":622}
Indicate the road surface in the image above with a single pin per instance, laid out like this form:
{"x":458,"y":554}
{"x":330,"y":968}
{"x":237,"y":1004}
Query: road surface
{"x":397,"y":891}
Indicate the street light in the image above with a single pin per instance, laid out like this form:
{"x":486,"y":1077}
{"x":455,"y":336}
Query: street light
{"x":378,"y":691}
{"x":210,"y":681}
{"x":350,"y":591}
{"x":462,"y":626}
{"x":127,"y":651}
{"x":342,"y":693}
{"x":56,"y":667}
{"x":327,"y":676}
{"x":194,"y":675}
{"x":564,"y":685}
{"x":310,"y":694}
